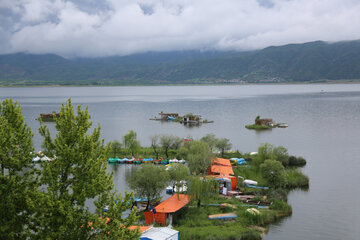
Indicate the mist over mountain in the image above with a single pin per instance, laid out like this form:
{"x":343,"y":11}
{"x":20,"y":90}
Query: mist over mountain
{"x":306,"y":62}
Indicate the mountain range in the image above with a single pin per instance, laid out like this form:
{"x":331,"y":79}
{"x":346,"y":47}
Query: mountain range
{"x":308,"y":62}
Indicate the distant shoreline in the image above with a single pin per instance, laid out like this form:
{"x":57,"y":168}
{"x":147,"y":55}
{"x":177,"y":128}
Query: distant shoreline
{"x":320,"y":82}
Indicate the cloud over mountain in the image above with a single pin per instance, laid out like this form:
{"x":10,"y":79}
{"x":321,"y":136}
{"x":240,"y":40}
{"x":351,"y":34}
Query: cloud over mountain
{"x":83,"y":28}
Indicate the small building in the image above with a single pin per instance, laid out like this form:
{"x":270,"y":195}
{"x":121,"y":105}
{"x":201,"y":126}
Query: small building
{"x":264,"y":121}
{"x":160,"y":233}
{"x":164,"y":210}
{"x":165,"y":116}
{"x":221,"y":168}
{"x":189,"y":118}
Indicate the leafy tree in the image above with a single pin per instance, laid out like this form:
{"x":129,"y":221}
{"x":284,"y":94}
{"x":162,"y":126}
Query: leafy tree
{"x":223,"y":144}
{"x":210,"y":140}
{"x":257,"y":120}
{"x":113,"y":225}
{"x":148,"y":181}
{"x":114,"y":148}
{"x":131,"y":142}
{"x":265,"y":151}
{"x":202,"y":188}
{"x":155,"y":145}
{"x":77,"y":174}
{"x":169,"y":141}
{"x":197,"y":155}
{"x":273,"y":172}
{"x":296,"y":161}
{"x":178,"y":172}
{"x":281,"y":155}
{"x":18,"y":186}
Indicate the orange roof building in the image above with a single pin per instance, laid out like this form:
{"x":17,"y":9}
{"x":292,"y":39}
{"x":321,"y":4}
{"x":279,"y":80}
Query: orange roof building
{"x":223,"y":171}
{"x":222,"y":167}
{"x":173,"y":203}
{"x":222,"y":162}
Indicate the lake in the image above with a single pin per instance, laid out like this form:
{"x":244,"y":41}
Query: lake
{"x":323,"y":128}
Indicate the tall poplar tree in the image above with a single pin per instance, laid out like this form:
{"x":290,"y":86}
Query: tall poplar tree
{"x":76,"y":177}
{"x":18,"y":186}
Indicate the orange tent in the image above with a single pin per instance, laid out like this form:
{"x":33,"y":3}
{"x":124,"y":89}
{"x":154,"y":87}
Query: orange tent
{"x":222,"y":170}
{"x":222,"y":162}
{"x":173,"y":203}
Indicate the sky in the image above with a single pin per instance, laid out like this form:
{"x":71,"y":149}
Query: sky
{"x":99,"y":28}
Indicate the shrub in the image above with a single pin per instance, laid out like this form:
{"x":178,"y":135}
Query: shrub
{"x":274,"y":173}
{"x":251,"y":234}
{"x":296,"y":161}
{"x":279,"y":194}
{"x":295,"y":178}
{"x":281,"y":206}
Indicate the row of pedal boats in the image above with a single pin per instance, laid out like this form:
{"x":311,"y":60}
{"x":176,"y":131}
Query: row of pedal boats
{"x":145,"y":160}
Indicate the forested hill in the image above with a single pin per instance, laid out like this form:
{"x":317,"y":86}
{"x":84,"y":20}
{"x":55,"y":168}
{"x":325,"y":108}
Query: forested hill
{"x":312,"y":61}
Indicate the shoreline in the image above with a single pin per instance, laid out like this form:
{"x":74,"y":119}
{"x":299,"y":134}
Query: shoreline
{"x":325,"y":82}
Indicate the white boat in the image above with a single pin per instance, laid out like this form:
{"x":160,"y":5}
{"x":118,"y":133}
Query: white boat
{"x":250,"y":182}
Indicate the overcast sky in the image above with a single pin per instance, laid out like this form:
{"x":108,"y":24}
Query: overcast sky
{"x":92,"y":28}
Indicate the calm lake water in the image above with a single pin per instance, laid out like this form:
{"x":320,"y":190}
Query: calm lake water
{"x":323,"y":127}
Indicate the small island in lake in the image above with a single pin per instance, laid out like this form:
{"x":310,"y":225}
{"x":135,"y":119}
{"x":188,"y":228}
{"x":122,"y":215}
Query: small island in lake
{"x":48,"y":117}
{"x":188,"y":118}
{"x":265,"y":123}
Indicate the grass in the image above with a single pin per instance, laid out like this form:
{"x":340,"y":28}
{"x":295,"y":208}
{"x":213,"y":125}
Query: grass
{"x":257,"y":127}
{"x":193,"y":222}
{"x":295,"y":179}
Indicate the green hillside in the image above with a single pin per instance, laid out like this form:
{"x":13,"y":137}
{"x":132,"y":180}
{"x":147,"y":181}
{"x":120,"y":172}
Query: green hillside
{"x":312,"y":61}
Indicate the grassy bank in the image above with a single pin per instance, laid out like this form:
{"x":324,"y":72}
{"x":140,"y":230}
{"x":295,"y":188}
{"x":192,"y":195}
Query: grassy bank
{"x":257,"y":127}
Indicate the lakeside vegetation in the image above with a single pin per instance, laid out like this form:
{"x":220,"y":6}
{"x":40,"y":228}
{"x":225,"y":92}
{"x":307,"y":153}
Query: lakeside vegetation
{"x":50,"y":201}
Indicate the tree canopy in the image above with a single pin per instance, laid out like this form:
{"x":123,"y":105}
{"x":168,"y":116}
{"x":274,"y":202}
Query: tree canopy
{"x":131,"y":142}
{"x":169,"y":141}
{"x":148,"y":181}
{"x":178,"y":172}
{"x":18,"y":185}
{"x":202,"y":188}
{"x":223,"y":144}
{"x":197,"y":155}
{"x":77,"y":174}
{"x":210,"y":139}
{"x":273,"y":172}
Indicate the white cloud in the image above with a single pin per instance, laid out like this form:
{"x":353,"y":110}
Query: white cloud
{"x":124,"y":27}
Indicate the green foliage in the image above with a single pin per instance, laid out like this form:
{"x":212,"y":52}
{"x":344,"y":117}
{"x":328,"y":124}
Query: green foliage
{"x":178,"y":172}
{"x":113,"y":225}
{"x":77,"y":174}
{"x":168,"y":142}
{"x":114,"y":148}
{"x":281,"y":155}
{"x":257,"y":120}
{"x":202,"y":188}
{"x":148,"y":181}
{"x":295,"y":178}
{"x":131,"y":143}
{"x":281,"y":206}
{"x":198,"y":156}
{"x":18,"y":185}
{"x":265,"y":151}
{"x":296,"y":161}
{"x":257,"y":127}
{"x":223,"y":144}
{"x":210,"y":140}
{"x":279,"y":194}
{"x":274,"y":173}
{"x":155,"y":144}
